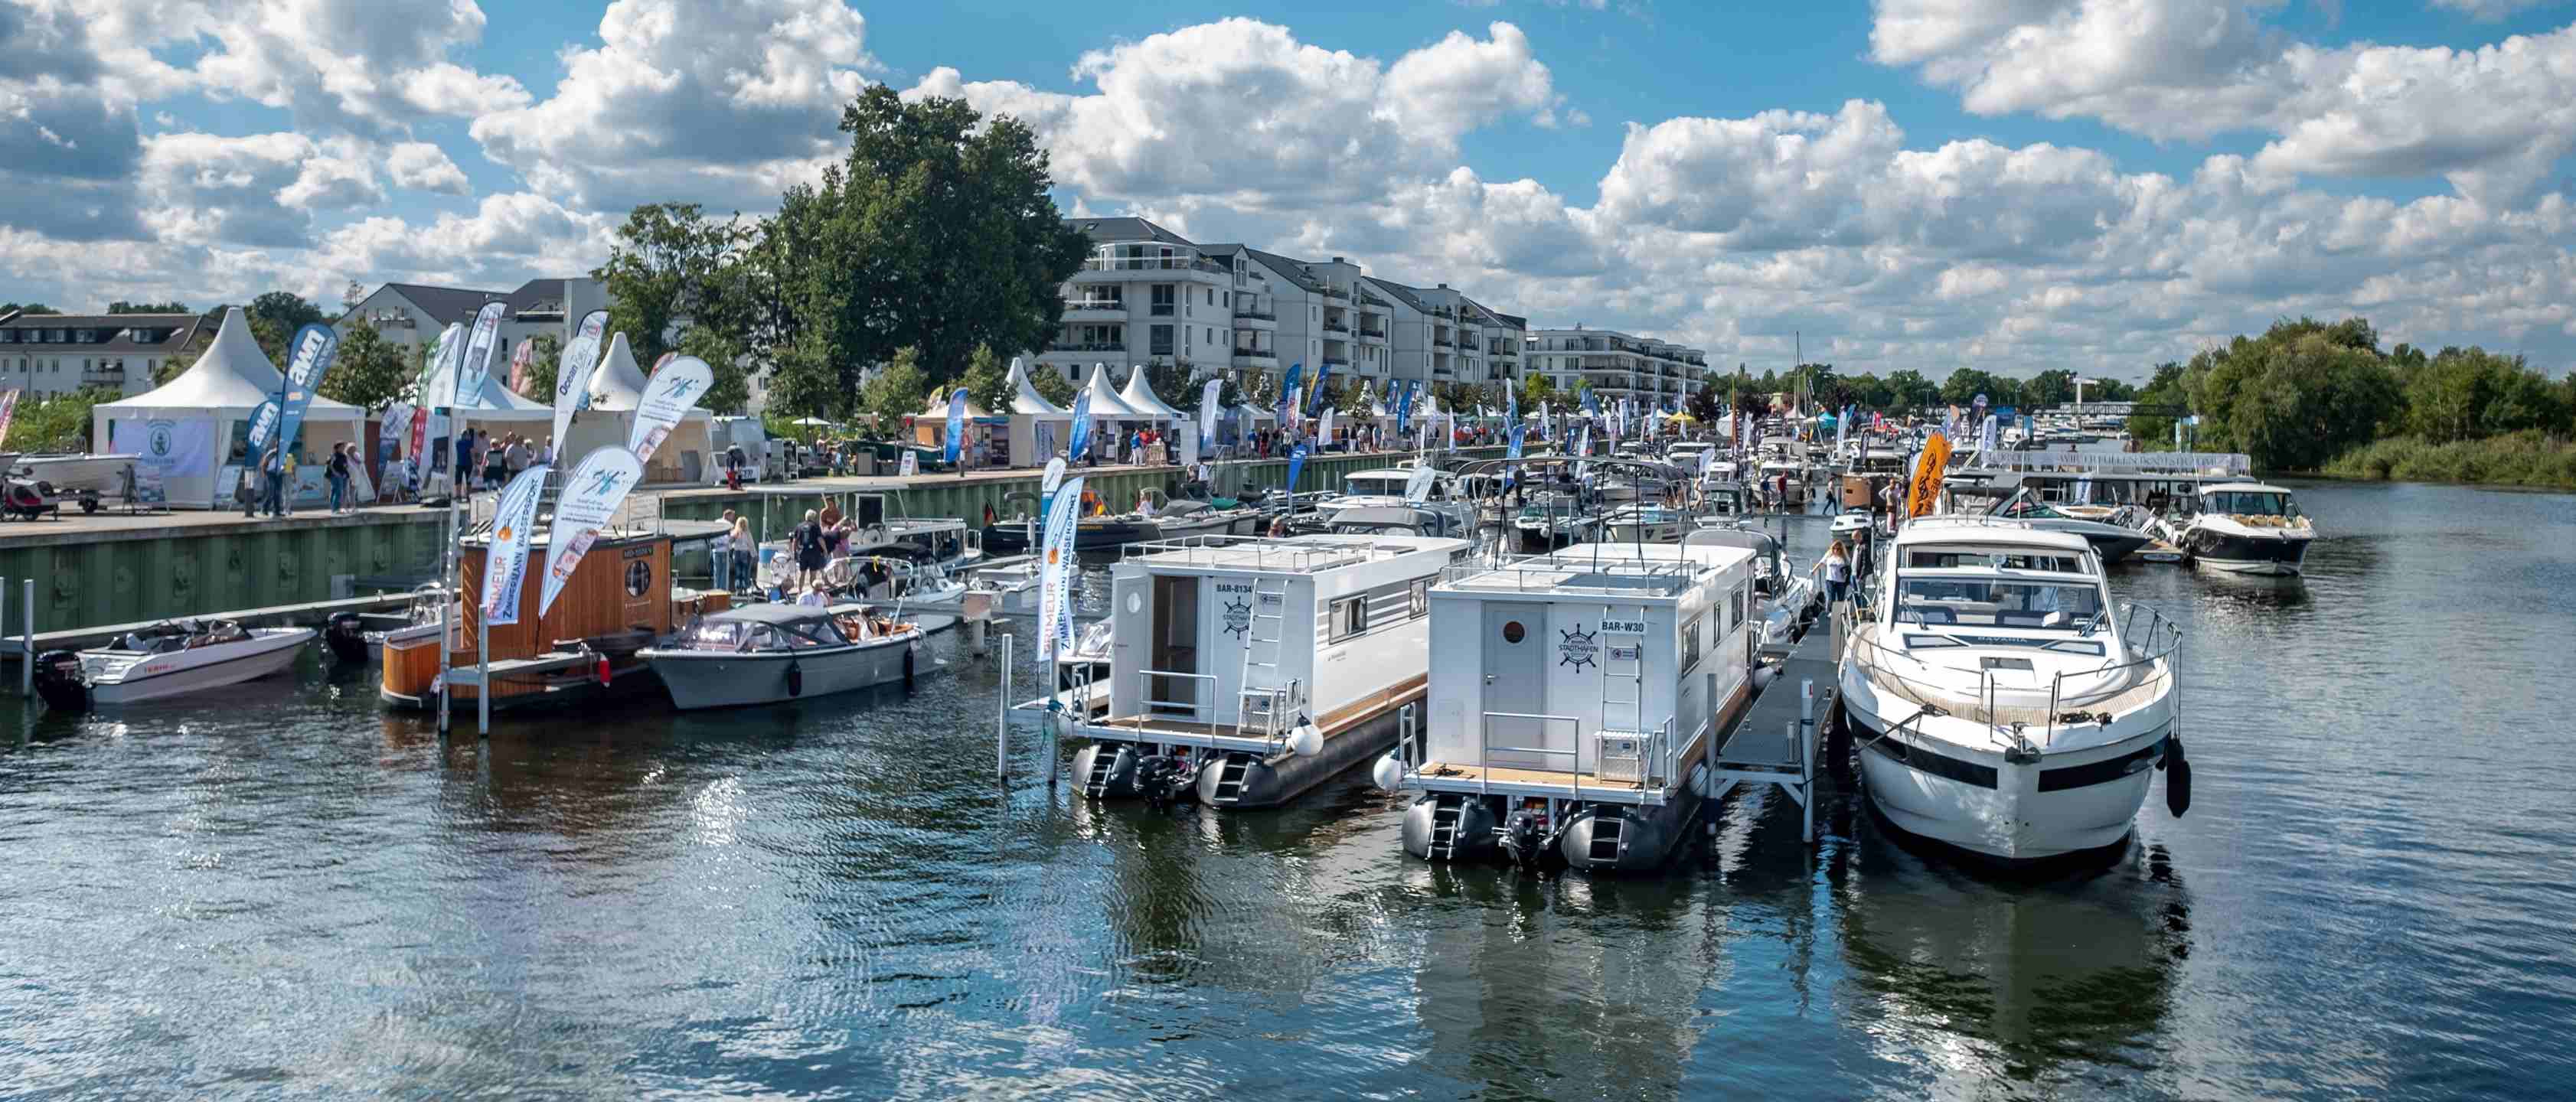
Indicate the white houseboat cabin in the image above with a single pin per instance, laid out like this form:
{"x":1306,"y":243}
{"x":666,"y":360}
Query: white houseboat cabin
{"x":1245,"y":671}
{"x":1575,"y":698}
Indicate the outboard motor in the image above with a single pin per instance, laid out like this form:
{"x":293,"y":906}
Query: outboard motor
{"x":1525,"y":836}
{"x":346,"y":635}
{"x":1165,"y":779}
{"x":58,"y":681}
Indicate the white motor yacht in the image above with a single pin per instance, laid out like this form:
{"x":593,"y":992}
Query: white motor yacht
{"x":166,"y":660}
{"x":2248,"y":528}
{"x":1999,"y":704}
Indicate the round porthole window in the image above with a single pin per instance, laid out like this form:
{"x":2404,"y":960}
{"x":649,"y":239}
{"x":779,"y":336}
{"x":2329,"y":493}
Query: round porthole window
{"x":1512,"y":632}
{"x":639,"y":578}
{"x":1135,"y":603}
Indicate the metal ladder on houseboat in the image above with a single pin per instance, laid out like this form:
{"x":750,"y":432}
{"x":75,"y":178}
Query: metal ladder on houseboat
{"x":1629,"y":674}
{"x":1264,"y":634}
{"x":1445,"y":814}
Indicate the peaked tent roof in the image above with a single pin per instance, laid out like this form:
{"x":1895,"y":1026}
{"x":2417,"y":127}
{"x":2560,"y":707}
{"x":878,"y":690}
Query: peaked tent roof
{"x":1104,"y":401}
{"x":498,"y":402}
{"x":1139,"y":396}
{"x":232,"y":379}
{"x":618,"y":384}
{"x":1025,"y":397}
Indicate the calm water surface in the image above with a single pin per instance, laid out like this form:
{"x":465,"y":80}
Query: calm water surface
{"x":282,"y":892}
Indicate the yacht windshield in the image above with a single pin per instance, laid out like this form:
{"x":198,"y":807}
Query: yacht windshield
{"x":2260,"y":503}
{"x":2002,"y":603}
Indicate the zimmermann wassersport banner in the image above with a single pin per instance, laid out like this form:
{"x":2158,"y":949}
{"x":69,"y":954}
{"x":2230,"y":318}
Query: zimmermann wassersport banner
{"x":1056,"y":570}
{"x":505,"y":564}
{"x":573,"y":368}
{"x":1081,"y":425}
{"x":589,"y":498}
{"x":674,"y":387}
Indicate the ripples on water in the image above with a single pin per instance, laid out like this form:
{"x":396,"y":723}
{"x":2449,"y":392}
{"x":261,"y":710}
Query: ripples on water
{"x":282,"y":891}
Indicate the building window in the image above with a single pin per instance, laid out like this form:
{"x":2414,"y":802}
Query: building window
{"x":1350,"y":617}
{"x":1690,"y":642}
{"x":1162,"y":300}
{"x":1160,"y":341}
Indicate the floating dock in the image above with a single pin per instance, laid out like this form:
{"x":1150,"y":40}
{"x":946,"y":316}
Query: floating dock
{"x":1781,"y":738}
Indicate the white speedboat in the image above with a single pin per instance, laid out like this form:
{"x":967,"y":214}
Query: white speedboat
{"x":1386,"y":487}
{"x":1645,"y":524}
{"x":167,"y":660}
{"x":1999,"y":705}
{"x":2248,"y":528}
{"x":1549,"y":519}
{"x":774,"y":653}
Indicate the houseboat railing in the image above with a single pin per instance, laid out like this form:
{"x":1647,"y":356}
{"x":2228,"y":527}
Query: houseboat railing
{"x":1277,"y":707}
{"x":1485,"y":748}
{"x":1201,"y":712}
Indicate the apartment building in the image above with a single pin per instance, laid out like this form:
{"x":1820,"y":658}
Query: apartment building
{"x":1617,"y":365}
{"x":411,"y":314}
{"x":1147,"y":294}
{"x":48,"y":354}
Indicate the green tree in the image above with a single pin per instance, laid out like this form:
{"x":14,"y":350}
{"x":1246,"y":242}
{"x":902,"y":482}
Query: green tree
{"x":286,"y":310}
{"x":938,"y":232}
{"x":730,"y":385}
{"x":30,"y":309}
{"x":669,"y":263}
{"x":1704,"y":403}
{"x":2053,"y":387}
{"x":2297,"y":396}
{"x":899,"y":390}
{"x":368,"y":373}
{"x":988,"y":380}
{"x":1909,"y":390}
{"x":2471,"y":394}
{"x":2164,"y":388}
{"x":59,"y":423}
{"x":122,"y":307}
{"x":1052,"y":386}
{"x":544,"y":359}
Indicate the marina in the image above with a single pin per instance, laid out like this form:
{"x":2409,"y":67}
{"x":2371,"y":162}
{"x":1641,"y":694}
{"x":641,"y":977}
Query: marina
{"x":290,"y":830}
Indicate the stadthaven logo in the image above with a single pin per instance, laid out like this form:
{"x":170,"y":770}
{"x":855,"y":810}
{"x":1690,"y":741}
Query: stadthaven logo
{"x":606,"y":481}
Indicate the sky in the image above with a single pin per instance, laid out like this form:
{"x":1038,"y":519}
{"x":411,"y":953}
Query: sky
{"x":2014,"y":185}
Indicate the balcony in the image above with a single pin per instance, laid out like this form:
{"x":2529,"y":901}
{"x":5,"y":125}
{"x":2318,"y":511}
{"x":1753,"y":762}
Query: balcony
{"x":1095,"y":309}
{"x":1156,"y":264}
{"x":1163,"y":309}
{"x":1256,"y":357}
{"x":1077,"y":346}
{"x":1337,"y":362}
{"x":1343,"y":293}
{"x":1444,"y":342}
{"x":1378,"y":335}
{"x":1331,"y":326}
{"x":1256,"y":313}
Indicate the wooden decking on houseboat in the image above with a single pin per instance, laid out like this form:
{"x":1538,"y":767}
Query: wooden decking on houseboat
{"x":1344,"y":718}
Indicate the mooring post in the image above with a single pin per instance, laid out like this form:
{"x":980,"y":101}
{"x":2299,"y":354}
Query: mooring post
{"x":1002,"y":720}
{"x":27,"y":641}
{"x":4,"y":620}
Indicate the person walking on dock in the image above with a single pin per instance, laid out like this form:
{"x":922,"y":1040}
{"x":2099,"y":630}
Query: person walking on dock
{"x":270,"y":480}
{"x":1837,"y":573}
{"x":338,"y":474}
{"x":746,"y":556}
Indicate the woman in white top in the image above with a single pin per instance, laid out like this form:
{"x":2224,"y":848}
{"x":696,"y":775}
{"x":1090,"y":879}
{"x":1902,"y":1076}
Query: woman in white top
{"x":1837,"y":573}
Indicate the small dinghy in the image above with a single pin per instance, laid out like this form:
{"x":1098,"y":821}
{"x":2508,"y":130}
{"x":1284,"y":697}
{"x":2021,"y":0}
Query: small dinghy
{"x":773,"y":653}
{"x":166,"y":660}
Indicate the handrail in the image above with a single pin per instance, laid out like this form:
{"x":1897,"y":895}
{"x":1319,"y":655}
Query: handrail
{"x":1485,"y":748}
{"x":1200,"y":712}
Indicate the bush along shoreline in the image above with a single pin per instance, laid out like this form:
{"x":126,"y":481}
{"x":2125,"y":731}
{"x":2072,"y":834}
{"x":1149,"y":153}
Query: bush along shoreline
{"x":2522,"y":459}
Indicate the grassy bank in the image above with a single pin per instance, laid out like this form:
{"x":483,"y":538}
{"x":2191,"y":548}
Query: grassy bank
{"x":2519,"y":459}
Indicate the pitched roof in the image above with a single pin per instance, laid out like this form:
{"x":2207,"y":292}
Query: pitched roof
{"x":1289,"y":268}
{"x":1122,"y":228}
{"x":538,"y":296}
{"x":444,"y":305}
{"x":1409,"y":296}
{"x":182,"y":328}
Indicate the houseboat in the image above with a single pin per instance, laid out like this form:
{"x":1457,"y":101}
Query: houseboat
{"x":619,"y":600}
{"x":1243,"y":672}
{"x":1575,"y":701}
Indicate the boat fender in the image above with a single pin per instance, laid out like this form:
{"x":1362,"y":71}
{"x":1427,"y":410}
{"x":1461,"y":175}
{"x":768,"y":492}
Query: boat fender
{"x":58,"y":681}
{"x":907,"y":664}
{"x":1699,"y":781}
{"x":795,"y":678}
{"x":2177,"y":779}
{"x":1389,"y":771}
{"x":1763,"y":676}
{"x":602,"y":667}
{"x":1306,"y":740}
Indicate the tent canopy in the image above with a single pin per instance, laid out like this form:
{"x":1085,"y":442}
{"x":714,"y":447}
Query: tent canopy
{"x":1105,"y":403}
{"x":1025,"y":398}
{"x":232,"y":379}
{"x":1140,"y":397}
{"x":618,"y":384}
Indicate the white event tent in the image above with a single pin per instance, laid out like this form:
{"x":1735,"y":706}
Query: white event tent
{"x":1140,"y":397}
{"x":1032,"y":446}
{"x":185,"y":433}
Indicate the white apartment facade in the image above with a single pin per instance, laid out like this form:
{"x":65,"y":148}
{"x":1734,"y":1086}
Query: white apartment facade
{"x":1149,"y":295}
{"x":42,"y":355}
{"x":413,"y":314}
{"x":1617,"y":365}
